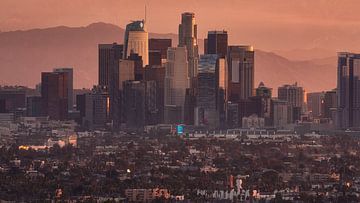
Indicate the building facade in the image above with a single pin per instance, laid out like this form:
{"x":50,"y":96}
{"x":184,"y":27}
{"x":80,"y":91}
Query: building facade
{"x":137,"y":40}
{"x":348,"y":87}
{"x":188,"y":39}
{"x":109,"y":55}
{"x":177,"y":81}
{"x":240,"y":72}
{"x":54,"y":93}
{"x":70,"y":73}
{"x":217,"y":43}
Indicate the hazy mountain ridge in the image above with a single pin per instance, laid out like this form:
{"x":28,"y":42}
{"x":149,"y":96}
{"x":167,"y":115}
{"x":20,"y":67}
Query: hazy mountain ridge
{"x":25,"y":54}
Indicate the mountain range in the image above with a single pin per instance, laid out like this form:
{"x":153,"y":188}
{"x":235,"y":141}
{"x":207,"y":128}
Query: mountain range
{"x":25,"y":54}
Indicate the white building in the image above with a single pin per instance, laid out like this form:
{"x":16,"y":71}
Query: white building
{"x":137,"y":41}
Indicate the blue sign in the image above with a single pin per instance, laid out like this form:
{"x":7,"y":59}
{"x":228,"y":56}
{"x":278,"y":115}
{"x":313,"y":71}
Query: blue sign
{"x":179,"y":129}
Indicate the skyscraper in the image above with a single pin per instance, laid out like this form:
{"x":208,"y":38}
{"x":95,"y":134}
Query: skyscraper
{"x":97,"y":108}
{"x":241,"y":72}
{"x":330,"y":104}
{"x":279,"y":113}
{"x":348,"y":86}
{"x":294,"y":96}
{"x":160,"y":45}
{"x":217,"y":43}
{"x":206,"y":95}
{"x":124,"y":72}
{"x":136,"y":40}
{"x":54,"y":93}
{"x":70,"y":73}
{"x":139,"y":103}
{"x":176,"y":82}
{"x":188,"y":39}
{"x":315,"y":103}
{"x":109,"y":55}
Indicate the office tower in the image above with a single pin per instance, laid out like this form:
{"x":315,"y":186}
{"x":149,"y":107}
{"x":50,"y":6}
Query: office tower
{"x":12,"y":100}
{"x":241,"y":72}
{"x":265,"y":93}
{"x":294,"y":96}
{"x":188,"y":39}
{"x":124,"y":72}
{"x":221,"y":89}
{"x":315,"y":104}
{"x":33,"y":106}
{"x":206,"y":91}
{"x":279,"y":113}
{"x":177,"y":81}
{"x":81,"y":106}
{"x":54,"y":93}
{"x":138,"y":65}
{"x":139,"y":103}
{"x":136,"y":41}
{"x":330,"y":104}
{"x":157,"y":74}
{"x":154,"y":58}
{"x":217,"y":43}
{"x":109,"y":55}
{"x":97,"y":108}
{"x":70,"y":73}
{"x":232,"y":115}
{"x":348,"y":90}
{"x":160,"y":45}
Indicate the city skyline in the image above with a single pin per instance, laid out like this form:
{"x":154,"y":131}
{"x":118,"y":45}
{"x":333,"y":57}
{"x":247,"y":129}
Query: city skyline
{"x":192,"y":116}
{"x":282,"y":20}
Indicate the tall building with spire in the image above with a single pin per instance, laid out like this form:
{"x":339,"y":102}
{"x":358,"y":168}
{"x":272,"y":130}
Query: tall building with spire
{"x":137,"y":40}
{"x":188,"y":39}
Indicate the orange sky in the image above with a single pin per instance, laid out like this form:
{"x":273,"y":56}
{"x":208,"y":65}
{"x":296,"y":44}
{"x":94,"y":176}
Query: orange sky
{"x":248,"y":21}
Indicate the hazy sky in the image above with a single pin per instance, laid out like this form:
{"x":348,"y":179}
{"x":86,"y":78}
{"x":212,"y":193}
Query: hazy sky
{"x":242,"y":18}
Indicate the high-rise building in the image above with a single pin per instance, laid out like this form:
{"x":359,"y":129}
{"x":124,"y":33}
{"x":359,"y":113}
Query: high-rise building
{"x":279,"y":113}
{"x":315,"y":104}
{"x":177,"y":81}
{"x":12,"y":100}
{"x":330,"y":104}
{"x":124,"y":72}
{"x":188,"y":39}
{"x":70,"y":73}
{"x":33,"y":106}
{"x":348,"y":90}
{"x":206,"y":101}
{"x":136,"y":41}
{"x":160,"y":45}
{"x":139,"y":103}
{"x":54,"y":93}
{"x":138,"y":65}
{"x":265,"y":93}
{"x":232,"y":115}
{"x":241,"y":73}
{"x":109,"y":55}
{"x":155,"y":58}
{"x":217,"y":43}
{"x":157,"y":74}
{"x":294,"y":96}
{"x":97,"y":108}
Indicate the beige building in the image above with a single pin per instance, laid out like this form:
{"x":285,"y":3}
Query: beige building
{"x":176,"y":81}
